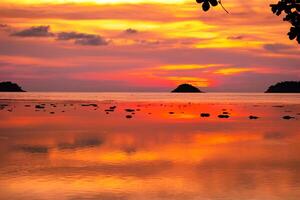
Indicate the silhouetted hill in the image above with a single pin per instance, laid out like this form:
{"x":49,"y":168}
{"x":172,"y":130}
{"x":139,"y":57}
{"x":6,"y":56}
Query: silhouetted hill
{"x":10,"y":87}
{"x":285,"y":87}
{"x":186,"y":88}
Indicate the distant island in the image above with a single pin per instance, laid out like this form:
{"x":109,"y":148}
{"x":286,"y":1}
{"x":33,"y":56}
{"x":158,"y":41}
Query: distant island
{"x":186,"y":88}
{"x":285,"y":87}
{"x":10,"y":87}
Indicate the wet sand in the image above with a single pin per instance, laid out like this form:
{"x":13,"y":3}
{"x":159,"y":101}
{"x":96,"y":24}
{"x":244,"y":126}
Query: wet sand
{"x":149,"y":150}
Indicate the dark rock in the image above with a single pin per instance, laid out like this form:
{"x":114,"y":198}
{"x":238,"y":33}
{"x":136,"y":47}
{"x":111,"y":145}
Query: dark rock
{"x":204,"y":114}
{"x":223,"y":116}
{"x":91,"y":104}
{"x":10,"y":87}
{"x":253,"y":117}
{"x":39,"y":107}
{"x":129,"y":110}
{"x":285,"y":87}
{"x":287,"y":117}
{"x":186,"y":88}
{"x":128,"y":116}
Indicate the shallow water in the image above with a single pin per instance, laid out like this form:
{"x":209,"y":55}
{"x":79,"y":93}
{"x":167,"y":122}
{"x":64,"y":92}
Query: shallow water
{"x":158,"y":97}
{"x":165,"y":151}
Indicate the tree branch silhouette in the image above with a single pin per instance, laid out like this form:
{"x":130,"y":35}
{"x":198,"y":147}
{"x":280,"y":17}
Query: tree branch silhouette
{"x":291,"y":8}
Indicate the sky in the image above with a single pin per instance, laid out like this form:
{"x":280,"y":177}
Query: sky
{"x":144,"y":45}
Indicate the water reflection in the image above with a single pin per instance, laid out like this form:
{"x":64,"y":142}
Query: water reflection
{"x":84,"y":153}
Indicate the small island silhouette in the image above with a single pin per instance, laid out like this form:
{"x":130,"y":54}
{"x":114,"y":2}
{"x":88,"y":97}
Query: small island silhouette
{"x":285,"y":87}
{"x":10,"y":87}
{"x":186,"y":88}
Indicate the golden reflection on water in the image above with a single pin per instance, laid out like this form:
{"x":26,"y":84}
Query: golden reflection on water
{"x":166,"y":151}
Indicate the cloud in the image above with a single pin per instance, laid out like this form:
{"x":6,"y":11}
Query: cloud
{"x":277,"y":47}
{"x":32,"y":149}
{"x":237,"y":37}
{"x":3,"y":25}
{"x":82,"y":38}
{"x":34,"y":31}
{"x":131,"y":31}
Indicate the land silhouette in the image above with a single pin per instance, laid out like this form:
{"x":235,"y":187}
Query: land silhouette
{"x":186,"y":88}
{"x":10,"y":87}
{"x":285,"y":87}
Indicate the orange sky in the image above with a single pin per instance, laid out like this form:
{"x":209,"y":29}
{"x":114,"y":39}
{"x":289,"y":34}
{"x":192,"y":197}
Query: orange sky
{"x":143,"y":45}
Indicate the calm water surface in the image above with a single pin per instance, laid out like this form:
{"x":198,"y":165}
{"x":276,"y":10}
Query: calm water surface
{"x":70,"y":151}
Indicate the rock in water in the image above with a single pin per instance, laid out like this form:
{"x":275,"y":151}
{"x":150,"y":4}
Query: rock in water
{"x":10,"y":87}
{"x":285,"y":87}
{"x":186,"y":88}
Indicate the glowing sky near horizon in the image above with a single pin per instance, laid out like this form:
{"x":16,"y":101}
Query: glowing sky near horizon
{"x":144,"y":45}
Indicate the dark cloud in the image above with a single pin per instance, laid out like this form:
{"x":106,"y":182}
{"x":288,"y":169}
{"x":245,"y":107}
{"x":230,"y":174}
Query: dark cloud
{"x":237,"y":37}
{"x":131,"y":31}
{"x":34,"y":31}
{"x":3,"y":25}
{"x":32,"y":149}
{"x":82,"y":38}
{"x":148,"y":42}
{"x":277,"y":47}
{"x":6,"y":28}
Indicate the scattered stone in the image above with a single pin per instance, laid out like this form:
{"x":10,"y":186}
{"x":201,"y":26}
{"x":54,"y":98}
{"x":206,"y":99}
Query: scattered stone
{"x":278,"y":106}
{"x":128,"y":116}
{"x":223,"y":116}
{"x":52,"y":113}
{"x":129,"y":110}
{"x":171,"y":113}
{"x":85,"y":105}
{"x":287,"y":117}
{"x":253,"y":117}
{"x":204,"y":114}
{"x":39,"y":106}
